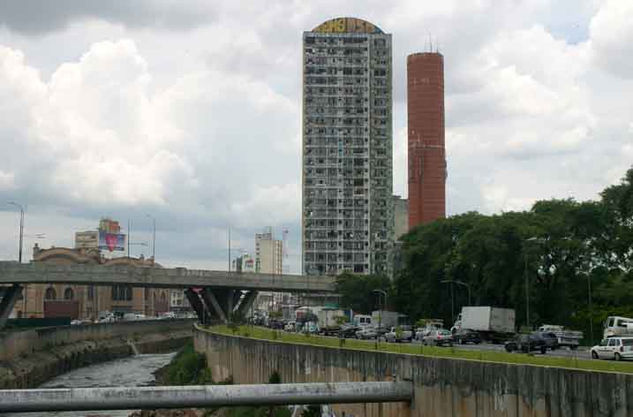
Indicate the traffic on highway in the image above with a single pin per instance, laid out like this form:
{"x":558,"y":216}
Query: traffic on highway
{"x":476,"y":328}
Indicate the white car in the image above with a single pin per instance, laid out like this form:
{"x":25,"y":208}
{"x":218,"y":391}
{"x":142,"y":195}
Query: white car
{"x":617,"y":348}
{"x":399,"y":334}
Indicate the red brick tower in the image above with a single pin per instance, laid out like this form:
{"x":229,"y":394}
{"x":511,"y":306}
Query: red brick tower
{"x":427,"y":160}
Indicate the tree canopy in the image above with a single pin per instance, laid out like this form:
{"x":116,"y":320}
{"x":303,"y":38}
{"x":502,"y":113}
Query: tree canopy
{"x":574,"y":258}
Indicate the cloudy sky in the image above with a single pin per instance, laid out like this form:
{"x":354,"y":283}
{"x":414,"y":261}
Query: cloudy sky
{"x":190,"y":111}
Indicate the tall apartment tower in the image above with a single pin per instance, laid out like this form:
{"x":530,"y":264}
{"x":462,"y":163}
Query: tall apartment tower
{"x":347,"y":212}
{"x":427,"y":156}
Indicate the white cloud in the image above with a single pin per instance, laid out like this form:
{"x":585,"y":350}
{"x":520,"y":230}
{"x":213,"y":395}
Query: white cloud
{"x":201,"y":125}
{"x":7,"y":180}
{"x":612,"y":37}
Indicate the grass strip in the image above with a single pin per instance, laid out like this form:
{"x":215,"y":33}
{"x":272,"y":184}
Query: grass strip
{"x":263,"y":333}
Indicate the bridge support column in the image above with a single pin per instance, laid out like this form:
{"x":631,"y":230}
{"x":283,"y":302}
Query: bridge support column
{"x":197,"y":305}
{"x":220,"y":304}
{"x":247,"y":301}
{"x":11,"y":295}
{"x":209,"y":298}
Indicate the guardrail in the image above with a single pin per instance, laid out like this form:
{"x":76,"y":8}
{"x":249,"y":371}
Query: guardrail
{"x":125,"y":398}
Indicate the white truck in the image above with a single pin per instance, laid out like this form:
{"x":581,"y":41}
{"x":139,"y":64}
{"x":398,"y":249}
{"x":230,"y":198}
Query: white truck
{"x":570,"y":338}
{"x":387,"y":319}
{"x":491,"y":323}
{"x":329,"y":321}
{"x":618,"y":326}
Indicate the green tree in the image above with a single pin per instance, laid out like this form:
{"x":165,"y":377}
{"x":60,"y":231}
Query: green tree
{"x":357,"y":291}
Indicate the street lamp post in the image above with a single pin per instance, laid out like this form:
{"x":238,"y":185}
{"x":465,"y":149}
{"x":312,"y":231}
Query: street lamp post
{"x":527,"y":292}
{"x":527,"y":285}
{"x":19,"y":206}
{"x":462,"y":283}
{"x":590,"y":307}
{"x":153,"y":237}
{"x":384,"y":294}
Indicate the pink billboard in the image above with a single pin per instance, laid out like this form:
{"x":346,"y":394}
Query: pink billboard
{"x":111,"y":241}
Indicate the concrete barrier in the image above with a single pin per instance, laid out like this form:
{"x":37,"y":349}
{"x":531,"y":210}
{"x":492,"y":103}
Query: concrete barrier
{"x":20,"y":343}
{"x":30,"y":357}
{"x":443,"y":387}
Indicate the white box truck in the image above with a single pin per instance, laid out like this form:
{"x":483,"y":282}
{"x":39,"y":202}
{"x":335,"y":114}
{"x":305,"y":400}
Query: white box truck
{"x":329,"y":321}
{"x":491,"y":323}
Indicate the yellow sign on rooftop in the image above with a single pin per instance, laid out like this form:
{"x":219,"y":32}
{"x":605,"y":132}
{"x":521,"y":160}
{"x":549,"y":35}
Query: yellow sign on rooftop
{"x":347,"y":25}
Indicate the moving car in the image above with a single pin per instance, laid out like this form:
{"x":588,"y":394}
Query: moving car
{"x":399,"y":334}
{"x":570,"y":338}
{"x":466,"y":336}
{"x":616,"y":348}
{"x":550,"y":338}
{"x":367,"y":332}
{"x":527,"y":343}
{"x":438,"y":337}
{"x":348,"y":330}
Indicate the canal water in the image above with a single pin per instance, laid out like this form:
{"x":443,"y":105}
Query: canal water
{"x":127,"y":372}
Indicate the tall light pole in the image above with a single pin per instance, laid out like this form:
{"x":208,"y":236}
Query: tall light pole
{"x":527,"y":286}
{"x":590,"y":307}
{"x":19,"y":206}
{"x":153,"y":237}
{"x":384,"y":293}
{"x":462,"y":283}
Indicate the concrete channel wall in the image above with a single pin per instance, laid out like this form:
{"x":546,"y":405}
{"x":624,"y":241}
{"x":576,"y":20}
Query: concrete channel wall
{"x":30,"y":357}
{"x":443,"y":387}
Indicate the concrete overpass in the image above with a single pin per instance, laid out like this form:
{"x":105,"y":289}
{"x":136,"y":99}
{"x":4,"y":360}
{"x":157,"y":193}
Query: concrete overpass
{"x":213,"y":295}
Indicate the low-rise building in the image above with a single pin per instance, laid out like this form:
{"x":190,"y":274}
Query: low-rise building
{"x":85,"y":302}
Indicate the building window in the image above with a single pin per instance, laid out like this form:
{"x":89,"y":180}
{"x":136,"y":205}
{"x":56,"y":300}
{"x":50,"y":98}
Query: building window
{"x":69,"y":294}
{"x":121,"y":293}
{"x":50,"y":294}
{"x":91,"y":292}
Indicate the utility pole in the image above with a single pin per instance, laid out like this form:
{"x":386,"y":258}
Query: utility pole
{"x":229,"y":248}
{"x":153,"y":236}
{"x":590,"y":307}
{"x":527,"y":293}
{"x":129,"y":236}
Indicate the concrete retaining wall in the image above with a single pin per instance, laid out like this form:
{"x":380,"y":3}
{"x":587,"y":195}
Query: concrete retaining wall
{"x":443,"y":387}
{"x":29,"y":358}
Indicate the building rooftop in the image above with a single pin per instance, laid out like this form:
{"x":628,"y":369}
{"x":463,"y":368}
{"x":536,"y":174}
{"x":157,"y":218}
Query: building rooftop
{"x":347,"y":25}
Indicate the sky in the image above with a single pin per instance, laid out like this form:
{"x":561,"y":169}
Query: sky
{"x":189,"y":111}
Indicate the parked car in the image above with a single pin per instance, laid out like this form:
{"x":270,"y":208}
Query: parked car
{"x":466,"y":336}
{"x":527,"y":343}
{"x":399,"y":334}
{"x":617,"y":348}
{"x":438,"y":337}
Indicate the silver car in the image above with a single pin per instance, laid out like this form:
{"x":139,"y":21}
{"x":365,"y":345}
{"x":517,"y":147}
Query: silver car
{"x":438,"y":337}
{"x":367,"y":332}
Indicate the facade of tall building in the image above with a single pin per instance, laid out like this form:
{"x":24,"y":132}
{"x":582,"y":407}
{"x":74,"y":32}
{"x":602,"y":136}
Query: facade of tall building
{"x":268,"y":253}
{"x":427,"y":157}
{"x":400,"y":216}
{"x":347,"y":212}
